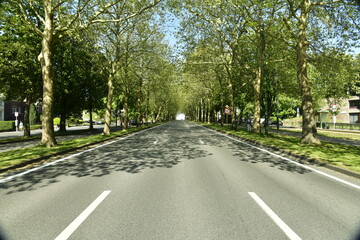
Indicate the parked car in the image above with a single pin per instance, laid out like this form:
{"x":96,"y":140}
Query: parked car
{"x":275,"y":123}
{"x":99,"y":122}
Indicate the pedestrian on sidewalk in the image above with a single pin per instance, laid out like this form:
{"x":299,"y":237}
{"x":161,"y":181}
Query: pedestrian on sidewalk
{"x":248,"y":123}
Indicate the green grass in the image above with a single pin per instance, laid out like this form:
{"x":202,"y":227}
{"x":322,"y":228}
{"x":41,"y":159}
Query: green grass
{"x":344,"y":156}
{"x":22,"y":138}
{"x":14,"y":157}
{"x":350,"y":136}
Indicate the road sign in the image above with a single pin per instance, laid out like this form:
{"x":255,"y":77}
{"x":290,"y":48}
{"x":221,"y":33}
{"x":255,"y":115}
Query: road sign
{"x":16,"y":114}
{"x":227,"y":111}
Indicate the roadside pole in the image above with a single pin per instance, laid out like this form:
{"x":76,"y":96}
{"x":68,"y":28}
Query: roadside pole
{"x":16,"y":121}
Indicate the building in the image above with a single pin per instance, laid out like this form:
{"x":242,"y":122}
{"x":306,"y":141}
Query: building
{"x":354,"y":109}
{"x":347,"y":111}
{"x":13,"y":107}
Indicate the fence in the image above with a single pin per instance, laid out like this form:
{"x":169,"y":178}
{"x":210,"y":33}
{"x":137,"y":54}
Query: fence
{"x":339,"y":126}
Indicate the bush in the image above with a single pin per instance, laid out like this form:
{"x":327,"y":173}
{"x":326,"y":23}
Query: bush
{"x":56,"y":121}
{"x":7,"y":125}
{"x":33,"y":127}
{"x":293,"y":122}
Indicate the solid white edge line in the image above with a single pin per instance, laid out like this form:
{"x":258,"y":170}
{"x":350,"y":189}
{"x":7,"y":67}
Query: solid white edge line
{"x":82,"y":217}
{"x":281,"y":224}
{"x":71,"y":156}
{"x":289,"y":160}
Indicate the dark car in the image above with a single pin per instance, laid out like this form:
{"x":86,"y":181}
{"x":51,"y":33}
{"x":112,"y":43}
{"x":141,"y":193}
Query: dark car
{"x":275,"y":123}
{"x":133,"y":122}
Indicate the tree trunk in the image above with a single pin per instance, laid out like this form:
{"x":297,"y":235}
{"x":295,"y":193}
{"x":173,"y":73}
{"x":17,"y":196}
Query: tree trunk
{"x":46,"y":58}
{"x":139,"y":105}
{"x":232,"y":104}
{"x":106,"y":130}
{"x":63,"y":121}
{"x":27,"y":118}
{"x":91,"y":120}
{"x":126,"y":111}
{"x":309,"y":132}
{"x":147,"y":106}
{"x":257,"y":82}
{"x":257,"y":102}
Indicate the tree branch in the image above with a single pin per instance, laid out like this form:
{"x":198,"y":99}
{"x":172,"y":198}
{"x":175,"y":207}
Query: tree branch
{"x":27,"y":20}
{"x":326,"y":3}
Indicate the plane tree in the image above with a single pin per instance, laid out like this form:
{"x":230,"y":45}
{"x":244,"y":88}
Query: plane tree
{"x":20,"y":75}
{"x":51,"y":20}
{"x":317,"y":24}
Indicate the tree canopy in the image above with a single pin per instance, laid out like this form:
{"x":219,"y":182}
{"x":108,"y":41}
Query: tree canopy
{"x":245,"y":55}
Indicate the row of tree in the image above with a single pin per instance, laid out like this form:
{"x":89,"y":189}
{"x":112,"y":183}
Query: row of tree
{"x":242,"y":53}
{"x":73,"y":56}
{"x":251,"y":54}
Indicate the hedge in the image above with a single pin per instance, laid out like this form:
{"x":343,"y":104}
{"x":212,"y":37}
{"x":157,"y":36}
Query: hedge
{"x":7,"y":125}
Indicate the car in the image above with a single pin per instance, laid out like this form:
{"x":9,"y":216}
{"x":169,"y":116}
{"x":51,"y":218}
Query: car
{"x":133,"y":122}
{"x":275,"y":123}
{"x":99,"y":122}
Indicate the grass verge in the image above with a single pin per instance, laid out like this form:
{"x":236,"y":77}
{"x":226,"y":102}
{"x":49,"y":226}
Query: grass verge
{"x":15,"y":157}
{"x":343,"y":156}
{"x":343,"y":135}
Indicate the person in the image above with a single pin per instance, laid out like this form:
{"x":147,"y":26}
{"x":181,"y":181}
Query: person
{"x":248,"y":123}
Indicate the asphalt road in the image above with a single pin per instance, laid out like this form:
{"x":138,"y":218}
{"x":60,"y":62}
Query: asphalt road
{"x":179,"y":181}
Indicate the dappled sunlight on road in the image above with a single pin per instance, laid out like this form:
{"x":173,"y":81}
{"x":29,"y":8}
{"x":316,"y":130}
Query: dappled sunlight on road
{"x":163,"y":147}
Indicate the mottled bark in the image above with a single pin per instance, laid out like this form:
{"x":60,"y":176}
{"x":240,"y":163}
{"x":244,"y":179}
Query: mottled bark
{"x":309,"y":132}
{"x":232,"y":103}
{"x":46,"y":58}
{"x":257,"y":82}
{"x":109,"y":100}
{"x":257,"y":102}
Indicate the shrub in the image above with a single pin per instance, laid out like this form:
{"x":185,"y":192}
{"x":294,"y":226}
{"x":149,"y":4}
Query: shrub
{"x":33,"y":127}
{"x":293,"y":122}
{"x":56,"y":121}
{"x":7,"y":125}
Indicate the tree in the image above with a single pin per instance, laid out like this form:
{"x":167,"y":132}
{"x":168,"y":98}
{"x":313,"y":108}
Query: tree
{"x":305,"y":13}
{"x":20,"y":76}
{"x":52,"y":20}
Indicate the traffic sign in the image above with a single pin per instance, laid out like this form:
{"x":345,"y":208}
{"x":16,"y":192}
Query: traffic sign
{"x":227,"y":111}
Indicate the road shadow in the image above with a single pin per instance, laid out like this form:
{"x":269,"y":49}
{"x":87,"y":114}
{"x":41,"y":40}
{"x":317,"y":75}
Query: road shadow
{"x":249,"y":154}
{"x":163,"y":147}
{"x":160,"y":148}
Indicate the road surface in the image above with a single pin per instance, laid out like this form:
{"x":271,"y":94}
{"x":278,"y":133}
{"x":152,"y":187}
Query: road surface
{"x":179,"y":181}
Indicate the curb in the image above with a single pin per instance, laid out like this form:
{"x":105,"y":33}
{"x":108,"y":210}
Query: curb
{"x":297,"y":157}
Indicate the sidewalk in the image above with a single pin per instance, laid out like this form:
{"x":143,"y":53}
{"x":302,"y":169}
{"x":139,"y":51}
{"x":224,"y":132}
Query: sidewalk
{"x":12,"y":134}
{"x":31,"y":143}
